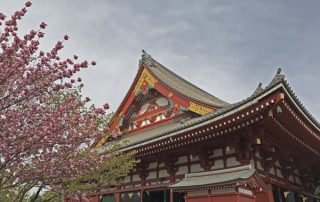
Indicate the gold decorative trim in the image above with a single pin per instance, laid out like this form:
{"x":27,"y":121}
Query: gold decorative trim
{"x":199,"y":109}
{"x":145,"y":76}
{"x":101,"y":141}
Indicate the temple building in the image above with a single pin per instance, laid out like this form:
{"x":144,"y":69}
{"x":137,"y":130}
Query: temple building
{"x":195,"y":147}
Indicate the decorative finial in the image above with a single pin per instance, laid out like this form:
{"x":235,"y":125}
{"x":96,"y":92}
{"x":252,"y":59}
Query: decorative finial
{"x":258,"y":90}
{"x":278,"y":78}
{"x":279,"y":70}
{"x":145,"y":59}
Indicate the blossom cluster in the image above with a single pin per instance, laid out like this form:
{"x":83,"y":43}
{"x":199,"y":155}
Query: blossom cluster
{"x":45,"y":127}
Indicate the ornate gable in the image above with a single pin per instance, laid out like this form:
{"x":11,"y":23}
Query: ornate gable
{"x":158,"y":95}
{"x":150,"y":109}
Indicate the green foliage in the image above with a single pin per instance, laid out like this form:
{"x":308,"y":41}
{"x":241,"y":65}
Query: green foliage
{"x":51,"y":196}
{"x":13,"y":193}
{"x":108,"y":174}
{"x":8,"y":195}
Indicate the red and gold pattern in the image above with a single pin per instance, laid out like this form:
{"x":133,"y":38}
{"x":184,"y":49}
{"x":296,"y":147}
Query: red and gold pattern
{"x":199,"y":109}
{"x":145,"y":78}
{"x":142,"y":85}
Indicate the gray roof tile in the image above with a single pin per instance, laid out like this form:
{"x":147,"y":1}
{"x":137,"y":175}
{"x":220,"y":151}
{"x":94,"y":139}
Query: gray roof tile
{"x":177,"y":83}
{"x":278,"y":78}
{"x":217,"y":178}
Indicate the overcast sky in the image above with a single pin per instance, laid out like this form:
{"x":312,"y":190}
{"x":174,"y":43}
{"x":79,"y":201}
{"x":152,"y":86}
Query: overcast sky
{"x":224,"y":47}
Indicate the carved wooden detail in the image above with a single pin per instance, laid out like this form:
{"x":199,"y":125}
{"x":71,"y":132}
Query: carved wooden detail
{"x":204,"y":155}
{"x":169,"y":162}
{"x":142,"y":172}
{"x":269,"y":158}
{"x":306,"y":177}
{"x":243,"y":148}
{"x":199,"y":109}
{"x":286,"y":168}
{"x":146,"y":78}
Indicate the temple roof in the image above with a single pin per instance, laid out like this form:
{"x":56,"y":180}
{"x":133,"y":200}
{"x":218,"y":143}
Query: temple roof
{"x":176,"y":83}
{"x":220,"y":108}
{"x":229,"y":176}
{"x":278,"y":82}
{"x":181,"y":94}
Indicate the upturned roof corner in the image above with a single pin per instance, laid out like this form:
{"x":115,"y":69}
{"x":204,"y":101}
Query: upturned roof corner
{"x":278,"y":78}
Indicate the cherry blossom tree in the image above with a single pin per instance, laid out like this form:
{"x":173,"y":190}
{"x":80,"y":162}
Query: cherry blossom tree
{"x":46,"y":130}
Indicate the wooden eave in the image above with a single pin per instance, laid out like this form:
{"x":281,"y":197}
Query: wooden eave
{"x":275,"y":92}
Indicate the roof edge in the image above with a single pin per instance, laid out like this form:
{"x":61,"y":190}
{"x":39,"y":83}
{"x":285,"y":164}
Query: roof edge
{"x":277,"y":82}
{"x":215,"y":172}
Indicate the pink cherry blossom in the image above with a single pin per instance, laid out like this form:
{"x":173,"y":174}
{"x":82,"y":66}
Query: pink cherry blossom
{"x":106,"y":106}
{"x":40,"y":34}
{"x":43,"y":118}
{"x":28,"y":4}
{"x":43,"y":25}
{"x":2,"y":16}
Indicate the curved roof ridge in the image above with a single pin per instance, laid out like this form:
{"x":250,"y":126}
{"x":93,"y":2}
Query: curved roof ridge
{"x":180,"y":84}
{"x":280,"y":78}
